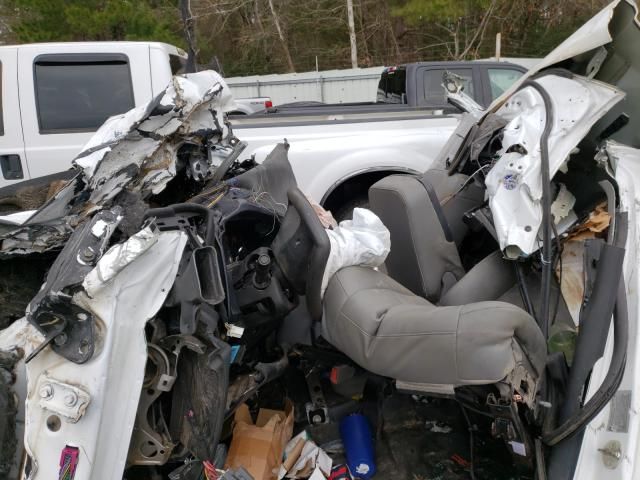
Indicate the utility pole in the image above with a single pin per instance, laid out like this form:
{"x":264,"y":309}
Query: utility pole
{"x":498,"y":46}
{"x":352,"y":35}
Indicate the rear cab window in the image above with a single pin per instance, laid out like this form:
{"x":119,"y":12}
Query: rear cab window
{"x":78,"y":92}
{"x":393,"y":86}
{"x":500,"y":79}
{"x":1,"y":107}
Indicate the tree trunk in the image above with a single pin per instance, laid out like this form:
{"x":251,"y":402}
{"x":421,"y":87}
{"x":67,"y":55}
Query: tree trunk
{"x":189,"y":26}
{"x":352,"y":35}
{"x":283,"y":40}
{"x":363,"y":35}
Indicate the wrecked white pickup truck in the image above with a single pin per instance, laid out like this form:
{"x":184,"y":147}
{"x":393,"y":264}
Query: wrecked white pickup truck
{"x":184,"y":283}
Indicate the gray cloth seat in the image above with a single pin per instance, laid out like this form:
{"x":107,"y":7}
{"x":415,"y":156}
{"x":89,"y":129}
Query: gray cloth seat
{"x":424,"y":216}
{"x":390,"y":331}
{"x":431,"y":324}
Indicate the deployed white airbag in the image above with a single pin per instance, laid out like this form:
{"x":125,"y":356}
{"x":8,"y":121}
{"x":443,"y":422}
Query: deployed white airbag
{"x":363,"y":241}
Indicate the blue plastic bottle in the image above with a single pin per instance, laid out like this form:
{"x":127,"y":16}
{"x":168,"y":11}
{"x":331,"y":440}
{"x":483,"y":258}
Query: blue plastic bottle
{"x":358,"y":446}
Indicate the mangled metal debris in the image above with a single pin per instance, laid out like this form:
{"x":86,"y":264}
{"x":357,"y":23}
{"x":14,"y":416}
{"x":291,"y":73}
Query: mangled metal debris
{"x":188,"y":283}
{"x":514,"y":184}
{"x":137,"y":153}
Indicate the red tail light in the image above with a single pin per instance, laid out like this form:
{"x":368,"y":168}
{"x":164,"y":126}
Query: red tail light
{"x":268,"y":104}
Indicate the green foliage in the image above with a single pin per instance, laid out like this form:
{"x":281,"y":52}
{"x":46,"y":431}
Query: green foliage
{"x":417,"y":11}
{"x":75,"y":20}
{"x":241,"y":34}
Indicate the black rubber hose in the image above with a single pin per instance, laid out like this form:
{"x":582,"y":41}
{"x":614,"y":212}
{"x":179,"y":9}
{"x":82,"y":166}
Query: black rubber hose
{"x":611,"y":382}
{"x":544,"y":317}
{"x":524,"y":291}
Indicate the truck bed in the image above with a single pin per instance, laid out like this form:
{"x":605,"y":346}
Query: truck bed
{"x":337,"y":114}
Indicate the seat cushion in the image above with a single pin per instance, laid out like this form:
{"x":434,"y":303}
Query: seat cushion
{"x":489,"y":279}
{"x":389,"y":331}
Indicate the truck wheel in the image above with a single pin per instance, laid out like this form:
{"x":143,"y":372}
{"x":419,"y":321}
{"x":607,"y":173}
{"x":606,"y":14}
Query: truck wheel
{"x":8,"y":412}
{"x":345,"y":211}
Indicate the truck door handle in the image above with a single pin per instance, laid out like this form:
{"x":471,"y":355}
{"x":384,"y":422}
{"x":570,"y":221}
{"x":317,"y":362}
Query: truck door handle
{"x":11,"y":167}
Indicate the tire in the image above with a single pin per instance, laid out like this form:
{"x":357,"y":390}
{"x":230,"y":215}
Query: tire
{"x":8,"y":412}
{"x":345,"y":211}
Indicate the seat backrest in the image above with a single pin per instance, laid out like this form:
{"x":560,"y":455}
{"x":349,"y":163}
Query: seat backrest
{"x":424,"y":216}
{"x":301,"y":248}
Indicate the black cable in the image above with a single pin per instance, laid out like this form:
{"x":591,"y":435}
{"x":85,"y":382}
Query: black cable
{"x":472,"y":473}
{"x":547,"y":263}
{"x":524,"y":291}
{"x":557,"y":263}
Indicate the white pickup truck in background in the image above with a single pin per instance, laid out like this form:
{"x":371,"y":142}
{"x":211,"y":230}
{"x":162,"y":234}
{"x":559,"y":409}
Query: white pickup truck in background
{"x":55,"y":95}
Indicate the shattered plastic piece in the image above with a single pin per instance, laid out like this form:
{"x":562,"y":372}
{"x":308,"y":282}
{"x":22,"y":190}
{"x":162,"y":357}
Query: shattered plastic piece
{"x":563,"y":204}
{"x":518,"y":448}
{"x":234,"y":331}
{"x":99,"y":228}
{"x":437,"y":427}
{"x":17,"y":218}
{"x":117,"y":258}
{"x":362,"y":241}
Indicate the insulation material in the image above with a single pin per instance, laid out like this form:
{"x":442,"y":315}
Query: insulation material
{"x":597,"y":223}
{"x":572,"y":279}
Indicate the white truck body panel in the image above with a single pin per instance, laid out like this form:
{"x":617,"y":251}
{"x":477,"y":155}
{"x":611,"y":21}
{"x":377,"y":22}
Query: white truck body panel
{"x":324,"y":157}
{"x":46,"y":153}
{"x":12,"y":140}
{"x":42,"y":148}
{"x":325,"y":150}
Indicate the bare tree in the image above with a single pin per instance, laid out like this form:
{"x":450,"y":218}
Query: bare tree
{"x":283,"y":40}
{"x":352,"y":35}
{"x":189,"y":27}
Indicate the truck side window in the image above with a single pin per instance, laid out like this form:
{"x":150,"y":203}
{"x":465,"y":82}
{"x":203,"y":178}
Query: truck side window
{"x":78,"y":92}
{"x":501,"y":79}
{"x":433,"y":89}
{"x":1,"y":109}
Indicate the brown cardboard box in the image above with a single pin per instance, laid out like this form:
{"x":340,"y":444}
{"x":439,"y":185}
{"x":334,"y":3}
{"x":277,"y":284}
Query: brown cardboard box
{"x":258,"y":447}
